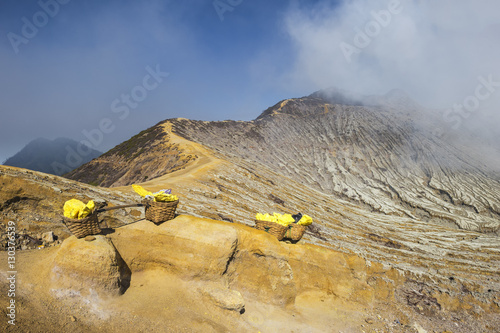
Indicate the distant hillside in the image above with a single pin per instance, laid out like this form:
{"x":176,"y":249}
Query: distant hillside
{"x":56,"y":157}
{"x":149,"y":154}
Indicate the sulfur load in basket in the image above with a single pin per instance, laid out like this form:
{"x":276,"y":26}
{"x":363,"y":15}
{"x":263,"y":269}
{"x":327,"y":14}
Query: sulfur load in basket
{"x":296,"y":230}
{"x":284,"y":226}
{"x":81,"y":219}
{"x":158,"y":207}
{"x":158,"y":212}
{"x":275,"y":224}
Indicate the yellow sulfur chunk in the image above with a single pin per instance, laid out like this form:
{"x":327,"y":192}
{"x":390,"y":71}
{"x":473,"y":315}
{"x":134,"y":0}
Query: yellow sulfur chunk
{"x":163,"y":197}
{"x":160,"y":196}
{"x":265,"y":217}
{"x":284,"y":220}
{"x":72,"y":208}
{"x":141,"y":191}
{"x":287,"y":219}
{"x":87,"y":210}
{"x":75,"y":209}
{"x":305,"y":220}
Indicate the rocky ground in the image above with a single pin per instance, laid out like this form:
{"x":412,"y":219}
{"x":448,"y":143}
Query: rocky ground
{"x":352,"y":272}
{"x":200,"y":275}
{"x":26,"y":240}
{"x":34,"y":200}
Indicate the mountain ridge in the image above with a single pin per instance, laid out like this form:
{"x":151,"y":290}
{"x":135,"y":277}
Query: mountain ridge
{"x":377,"y":157}
{"x":56,"y":156}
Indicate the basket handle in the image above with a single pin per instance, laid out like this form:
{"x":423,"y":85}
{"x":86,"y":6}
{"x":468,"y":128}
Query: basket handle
{"x":118,"y":207}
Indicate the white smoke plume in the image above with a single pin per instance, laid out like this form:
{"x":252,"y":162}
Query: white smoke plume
{"x":444,"y":54}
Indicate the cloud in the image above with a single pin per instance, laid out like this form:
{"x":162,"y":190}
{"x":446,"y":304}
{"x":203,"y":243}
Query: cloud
{"x":443,"y":54}
{"x":434,"y":50}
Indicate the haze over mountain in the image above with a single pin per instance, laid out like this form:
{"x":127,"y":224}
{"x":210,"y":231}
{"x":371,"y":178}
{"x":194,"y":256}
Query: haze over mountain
{"x":56,"y":156}
{"x":379,"y":152}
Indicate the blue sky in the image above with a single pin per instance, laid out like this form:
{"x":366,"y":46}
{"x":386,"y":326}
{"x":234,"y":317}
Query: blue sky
{"x":62,"y":80}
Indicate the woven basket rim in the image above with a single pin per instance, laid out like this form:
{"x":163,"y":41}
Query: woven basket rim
{"x":149,"y":201}
{"x":273,"y":223}
{"x":270,"y":222}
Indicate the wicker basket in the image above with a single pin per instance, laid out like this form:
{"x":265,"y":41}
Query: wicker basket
{"x":83,"y":227}
{"x":295,"y":231}
{"x":158,"y":212}
{"x":273,"y":228}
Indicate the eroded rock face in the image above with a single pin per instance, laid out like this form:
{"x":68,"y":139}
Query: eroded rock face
{"x":261,"y":268}
{"x":256,"y":265}
{"x":380,"y":153}
{"x":190,"y":248}
{"x":87,"y":267}
{"x":250,"y":261}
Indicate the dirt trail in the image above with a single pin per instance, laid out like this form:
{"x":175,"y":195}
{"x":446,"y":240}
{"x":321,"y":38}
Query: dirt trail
{"x":204,"y":162}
